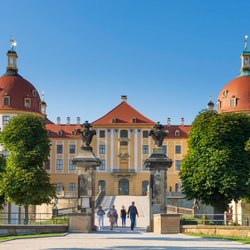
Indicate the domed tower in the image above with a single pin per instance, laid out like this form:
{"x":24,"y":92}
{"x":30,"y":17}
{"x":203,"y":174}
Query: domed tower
{"x":17,"y":95}
{"x":235,"y":96}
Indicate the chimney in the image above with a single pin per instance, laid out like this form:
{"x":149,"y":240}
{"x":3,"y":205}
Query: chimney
{"x":68,"y":120}
{"x":78,"y":120}
{"x":58,"y":120}
{"x":182,"y":121}
{"x":168,"y":121}
{"x":123,"y":98}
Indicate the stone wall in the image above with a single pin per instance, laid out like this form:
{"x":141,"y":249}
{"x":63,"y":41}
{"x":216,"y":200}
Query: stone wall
{"x":6,"y":230}
{"x":238,"y":231}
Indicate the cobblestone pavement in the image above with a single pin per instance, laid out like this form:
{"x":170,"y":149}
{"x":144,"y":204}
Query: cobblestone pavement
{"x":122,"y":238}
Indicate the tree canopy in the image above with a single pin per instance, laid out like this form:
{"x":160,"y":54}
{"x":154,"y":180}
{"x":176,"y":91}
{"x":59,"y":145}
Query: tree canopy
{"x":217,"y":166}
{"x":25,"y":181}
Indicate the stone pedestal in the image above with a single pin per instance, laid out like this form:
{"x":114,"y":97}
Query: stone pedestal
{"x":157,"y":163}
{"x":86,"y":164}
{"x":80,"y":223}
{"x":167,"y":223}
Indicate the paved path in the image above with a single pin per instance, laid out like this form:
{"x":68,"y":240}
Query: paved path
{"x":122,"y":239}
{"x":141,"y":203}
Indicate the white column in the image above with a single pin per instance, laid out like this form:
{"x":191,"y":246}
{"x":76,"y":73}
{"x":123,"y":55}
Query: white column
{"x":111,"y":149}
{"x":136,"y":150}
{"x":106,"y":150}
{"x":129,"y":135}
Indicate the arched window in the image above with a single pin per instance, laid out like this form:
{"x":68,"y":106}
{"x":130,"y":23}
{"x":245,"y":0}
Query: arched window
{"x":145,"y":187}
{"x":233,"y":102}
{"x":101,"y":185}
{"x":124,"y":134}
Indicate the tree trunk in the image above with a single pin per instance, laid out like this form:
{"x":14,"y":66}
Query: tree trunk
{"x":26,"y":214}
{"x":218,"y":215}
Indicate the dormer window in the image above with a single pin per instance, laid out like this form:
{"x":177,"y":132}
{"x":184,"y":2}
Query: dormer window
{"x":60,"y":132}
{"x":6,"y":101}
{"x":218,"y":105}
{"x":27,"y":102}
{"x":134,"y":119}
{"x":177,"y":133}
{"x":232,"y":102}
{"x":113,"y":120}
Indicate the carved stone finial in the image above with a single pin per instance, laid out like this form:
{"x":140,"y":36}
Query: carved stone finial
{"x":158,"y":134}
{"x":87,"y":133}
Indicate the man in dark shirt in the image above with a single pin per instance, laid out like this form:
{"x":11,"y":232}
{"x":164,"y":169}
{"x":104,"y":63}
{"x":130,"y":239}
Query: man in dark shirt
{"x":132,"y":212}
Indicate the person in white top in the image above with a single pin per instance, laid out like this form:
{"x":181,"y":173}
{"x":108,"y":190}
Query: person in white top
{"x":100,"y":214}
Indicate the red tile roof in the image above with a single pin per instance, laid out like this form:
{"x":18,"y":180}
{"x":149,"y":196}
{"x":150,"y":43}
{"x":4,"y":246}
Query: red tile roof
{"x":17,"y":88}
{"x":238,"y":88}
{"x":183,"y":129}
{"x":62,"y":131}
{"x":123,"y":114}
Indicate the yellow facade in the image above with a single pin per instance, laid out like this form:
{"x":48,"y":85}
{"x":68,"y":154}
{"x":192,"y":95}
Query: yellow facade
{"x":122,"y":148}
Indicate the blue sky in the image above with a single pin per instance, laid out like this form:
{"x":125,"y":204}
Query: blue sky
{"x":168,"y":57}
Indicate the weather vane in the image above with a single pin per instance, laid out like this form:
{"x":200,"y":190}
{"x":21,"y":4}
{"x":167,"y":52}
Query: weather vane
{"x":12,"y":42}
{"x":246,"y":37}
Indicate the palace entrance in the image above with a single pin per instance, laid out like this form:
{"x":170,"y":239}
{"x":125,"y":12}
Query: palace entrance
{"x":124,"y":187}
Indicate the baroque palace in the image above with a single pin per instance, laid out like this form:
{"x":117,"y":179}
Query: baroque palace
{"x":122,"y":142}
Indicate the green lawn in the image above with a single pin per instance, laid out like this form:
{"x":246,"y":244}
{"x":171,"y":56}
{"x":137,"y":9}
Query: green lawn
{"x":27,"y":236}
{"x":242,"y":240}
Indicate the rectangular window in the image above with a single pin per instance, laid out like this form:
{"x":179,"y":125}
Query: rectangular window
{"x":6,"y":119}
{"x":145,"y":149}
{"x":102,"y":149}
{"x":72,"y":186}
{"x":59,"y":187}
{"x":59,"y":149}
{"x":178,"y":149}
{"x":72,"y":148}
{"x":177,"y":165}
{"x":59,"y":164}
{"x":102,"y":133}
{"x":123,"y":143}
{"x":27,"y":102}
{"x":164,"y":147}
{"x":6,"y":101}
{"x":71,"y":165}
{"x":47,"y":165}
{"x":233,"y":102}
{"x":102,"y":166}
{"x":145,"y":134}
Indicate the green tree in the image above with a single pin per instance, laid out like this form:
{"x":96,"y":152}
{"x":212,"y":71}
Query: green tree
{"x":217,"y":166}
{"x":2,"y":169}
{"x":25,"y":181}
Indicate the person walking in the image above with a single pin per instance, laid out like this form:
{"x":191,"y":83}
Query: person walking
{"x":123,"y":216}
{"x":100,"y":214}
{"x":132,"y":212}
{"x":112,"y":214}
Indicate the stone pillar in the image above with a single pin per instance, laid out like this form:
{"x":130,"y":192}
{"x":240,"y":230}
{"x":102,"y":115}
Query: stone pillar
{"x":157,"y":163}
{"x":86,"y":163}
